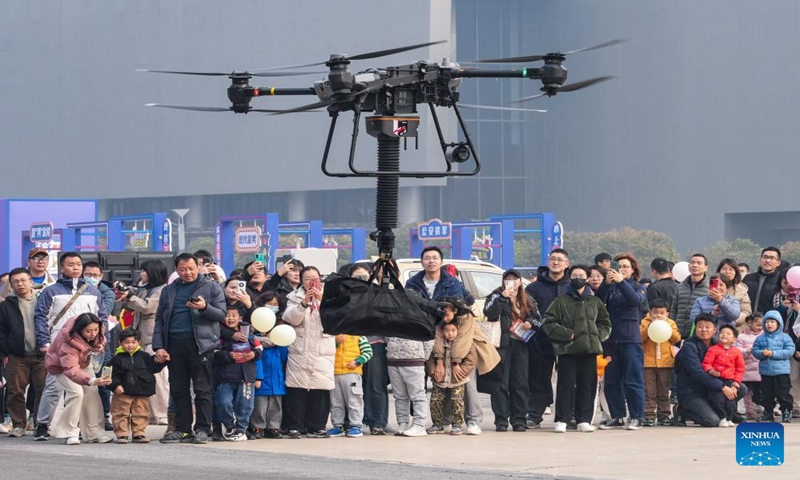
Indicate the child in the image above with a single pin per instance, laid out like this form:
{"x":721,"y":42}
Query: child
{"x":347,"y":395}
{"x":745,"y":341}
{"x":265,"y":421}
{"x":406,"y":361}
{"x":659,"y":360}
{"x":448,"y":389}
{"x":774,"y":350}
{"x":133,"y":382}
{"x":600,"y":397}
{"x":725,"y":362}
{"x":235,"y":372}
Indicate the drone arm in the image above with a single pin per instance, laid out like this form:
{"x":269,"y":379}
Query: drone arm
{"x":532,"y":73}
{"x":466,"y":135}
{"x":274,"y":91}
{"x":442,"y":142}
{"x":334,"y":116}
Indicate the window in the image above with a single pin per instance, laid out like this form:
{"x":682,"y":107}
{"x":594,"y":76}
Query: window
{"x":485,"y":282}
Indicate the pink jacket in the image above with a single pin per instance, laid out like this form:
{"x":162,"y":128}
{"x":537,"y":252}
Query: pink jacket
{"x":745,"y":342}
{"x":69,"y":355}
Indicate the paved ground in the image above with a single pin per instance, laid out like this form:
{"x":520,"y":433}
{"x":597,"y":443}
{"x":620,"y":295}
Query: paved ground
{"x":652,"y":453}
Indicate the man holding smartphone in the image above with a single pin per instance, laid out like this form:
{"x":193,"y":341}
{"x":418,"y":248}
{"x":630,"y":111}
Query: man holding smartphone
{"x":186,"y":334}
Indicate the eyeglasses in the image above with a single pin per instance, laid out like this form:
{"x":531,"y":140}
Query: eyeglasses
{"x":22,"y":281}
{"x":557,"y":259}
{"x":40,"y":259}
{"x":769,"y":257}
{"x":96,"y":275}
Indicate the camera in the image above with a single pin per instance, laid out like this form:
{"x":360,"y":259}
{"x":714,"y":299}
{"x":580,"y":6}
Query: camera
{"x":459,"y":154}
{"x":121,"y":286}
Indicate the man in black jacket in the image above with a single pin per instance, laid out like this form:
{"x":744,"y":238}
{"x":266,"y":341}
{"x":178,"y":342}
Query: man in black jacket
{"x":763,"y":284}
{"x":25,"y":363}
{"x":664,"y":285}
{"x":551,"y":282}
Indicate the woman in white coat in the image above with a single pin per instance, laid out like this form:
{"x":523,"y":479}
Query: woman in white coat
{"x":309,"y":368}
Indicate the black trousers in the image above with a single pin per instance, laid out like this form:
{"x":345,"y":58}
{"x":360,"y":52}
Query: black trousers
{"x":723,"y":407}
{"x":510,"y":400}
{"x":776,"y":387}
{"x":576,"y":388}
{"x":306,"y":410}
{"x":540,"y":378}
{"x":187,"y":367}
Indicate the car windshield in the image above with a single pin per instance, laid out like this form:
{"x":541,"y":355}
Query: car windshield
{"x":486,"y":282}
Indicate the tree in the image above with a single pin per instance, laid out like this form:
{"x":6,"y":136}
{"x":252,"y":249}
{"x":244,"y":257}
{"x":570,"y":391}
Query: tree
{"x":741,"y":250}
{"x":201,"y":243}
{"x":645,"y":245}
{"x":790,"y":252}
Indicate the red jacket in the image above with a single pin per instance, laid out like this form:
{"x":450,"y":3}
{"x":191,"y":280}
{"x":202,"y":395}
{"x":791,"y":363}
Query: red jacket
{"x":728,"y":362}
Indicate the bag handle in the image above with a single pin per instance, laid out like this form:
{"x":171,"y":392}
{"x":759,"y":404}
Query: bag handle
{"x":64,"y":310}
{"x":387,"y":266}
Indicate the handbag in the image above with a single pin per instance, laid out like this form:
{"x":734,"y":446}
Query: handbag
{"x":356,"y":307}
{"x":491,"y":330}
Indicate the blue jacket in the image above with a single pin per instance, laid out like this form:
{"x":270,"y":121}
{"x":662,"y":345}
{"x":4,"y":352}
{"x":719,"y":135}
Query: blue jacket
{"x":729,"y":309}
{"x":693,"y":382}
{"x":779,"y":343}
{"x":624,"y":302}
{"x":269,"y":369}
{"x":204,"y":323}
{"x":448,"y":286}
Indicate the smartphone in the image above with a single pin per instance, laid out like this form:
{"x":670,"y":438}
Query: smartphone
{"x":316,"y":285}
{"x":106,"y":372}
{"x":793,"y":296}
{"x":241,"y":287}
{"x":713,"y":284}
{"x":259,"y":257}
{"x":194,"y":299}
{"x":615,"y":265}
{"x":509,"y":284}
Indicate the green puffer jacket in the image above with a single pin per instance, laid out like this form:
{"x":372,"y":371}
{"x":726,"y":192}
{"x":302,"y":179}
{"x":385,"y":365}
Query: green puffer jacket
{"x":577,"y":324}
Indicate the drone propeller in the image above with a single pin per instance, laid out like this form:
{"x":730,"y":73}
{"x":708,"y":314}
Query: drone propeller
{"x":305,"y":108}
{"x":505,"y":109}
{"x":361,"y":56}
{"x":550,"y":91}
{"x":234,"y":74}
{"x":536,"y":58}
{"x":210,"y":109}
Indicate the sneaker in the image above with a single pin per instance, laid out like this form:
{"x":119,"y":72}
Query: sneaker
{"x":102,"y":439}
{"x":336,"y":432}
{"x":29,"y":426}
{"x":377,"y":431}
{"x":293,"y":434}
{"x":318,"y":434}
{"x":73,"y":441}
{"x":446,"y":428}
{"x":612,"y":424}
{"x":3,"y":428}
{"x":415,"y":431}
{"x":664,"y":422}
{"x":518,"y":428}
{"x":585,"y":427}
{"x":7,"y":422}
{"x":634,"y":424}
{"x":767,"y":417}
{"x":737,"y":419}
{"x":786,"y":417}
{"x":434,"y":430}
{"x":455,"y":430}
{"x":560,"y":427}
{"x":122,"y":439}
{"x":236,"y":436}
{"x":41,"y":434}
{"x":272,"y":433}
{"x":177,"y":437}
{"x":355,"y":432}
{"x":108,"y":426}
{"x":200,"y":438}
{"x":17,"y":432}
{"x":572,"y":425}
{"x":531,"y":425}
{"x":759,"y":409}
{"x":548,"y":411}
{"x":402,"y":427}
{"x":473,"y":429}
{"x":501,"y":428}
{"x":723,"y":423}
{"x":649,"y":422}
{"x":141,"y":439}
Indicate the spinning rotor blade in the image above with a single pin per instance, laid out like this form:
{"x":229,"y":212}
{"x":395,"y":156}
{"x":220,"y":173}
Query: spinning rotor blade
{"x":361,"y":56}
{"x":536,"y":58}
{"x":583,"y":84}
{"x":186,"y":107}
{"x":525,"y":99}
{"x":305,"y":108}
{"x":506,"y":109}
{"x":220,"y":74}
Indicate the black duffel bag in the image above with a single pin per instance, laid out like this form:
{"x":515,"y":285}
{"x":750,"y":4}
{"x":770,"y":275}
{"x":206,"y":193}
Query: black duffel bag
{"x":357,"y":307}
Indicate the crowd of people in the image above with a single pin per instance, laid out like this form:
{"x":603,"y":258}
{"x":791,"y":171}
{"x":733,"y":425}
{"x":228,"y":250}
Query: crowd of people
{"x":82,"y":356}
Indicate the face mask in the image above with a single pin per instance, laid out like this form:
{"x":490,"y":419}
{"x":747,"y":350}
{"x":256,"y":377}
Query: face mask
{"x":274,"y":308}
{"x":92,"y":281}
{"x":577,"y":283}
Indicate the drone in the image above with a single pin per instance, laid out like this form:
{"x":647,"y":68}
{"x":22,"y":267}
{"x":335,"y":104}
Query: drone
{"x":392,"y":95}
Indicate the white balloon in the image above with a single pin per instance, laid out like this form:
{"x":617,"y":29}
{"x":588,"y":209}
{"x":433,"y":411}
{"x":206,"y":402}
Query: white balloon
{"x":283,"y":335}
{"x":263,"y":319}
{"x":680,"y":271}
{"x":659,"y":331}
